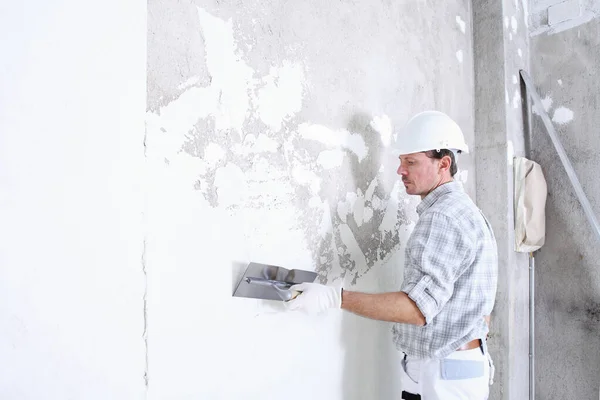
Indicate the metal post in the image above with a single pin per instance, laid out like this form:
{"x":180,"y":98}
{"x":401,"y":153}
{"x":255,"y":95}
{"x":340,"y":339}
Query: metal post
{"x":531,"y":326}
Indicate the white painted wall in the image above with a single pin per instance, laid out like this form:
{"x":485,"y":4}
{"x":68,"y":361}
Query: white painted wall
{"x":72,"y":81}
{"x":93,"y":206}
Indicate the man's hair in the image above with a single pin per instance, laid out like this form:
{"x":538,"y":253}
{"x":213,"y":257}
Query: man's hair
{"x":438,"y":155}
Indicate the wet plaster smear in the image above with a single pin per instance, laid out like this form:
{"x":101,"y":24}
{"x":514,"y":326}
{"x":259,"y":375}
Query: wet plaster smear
{"x":267,"y":142}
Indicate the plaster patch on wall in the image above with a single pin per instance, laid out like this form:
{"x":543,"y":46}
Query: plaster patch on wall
{"x":173,"y":122}
{"x":510,"y":152}
{"x":264,"y":180}
{"x":463,"y":176}
{"x":513,"y":24}
{"x":213,"y":153}
{"x":560,"y":82}
{"x":306,"y":177}
{"x":359,"y":208}
{"x":331,"y":138}
{"x":461,"y":24}
{"x":329,"y":159}
{"x":546,"y":103}
{"x":371,"y":190}
{"x":354,"y":204}
{"x":314,"y":201}
{"x":562,"y":115}
{"x":459,"y":56}
{"x":506,"y":22}
{"x":194,"y":80}
{"x":231,"y":185}
{"x":520,"y":53}
{"x":383,"y":125}
{"x":231,"y":78}
{"x":281,"y":96}
{"x":514,"y":79}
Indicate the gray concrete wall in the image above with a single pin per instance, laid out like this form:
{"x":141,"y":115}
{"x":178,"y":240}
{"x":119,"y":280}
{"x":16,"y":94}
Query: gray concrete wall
{"x":501,"y":48}
{"x":565,"y":69}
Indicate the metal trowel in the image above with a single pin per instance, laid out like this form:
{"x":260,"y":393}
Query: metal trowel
{"x":271,"y":282}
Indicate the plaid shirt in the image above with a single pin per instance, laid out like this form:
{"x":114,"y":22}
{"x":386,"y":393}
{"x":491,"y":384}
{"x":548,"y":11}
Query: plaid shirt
{"x":451,"y":273}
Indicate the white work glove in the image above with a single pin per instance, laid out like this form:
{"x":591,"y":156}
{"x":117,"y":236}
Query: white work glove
{"x":315,"y":298}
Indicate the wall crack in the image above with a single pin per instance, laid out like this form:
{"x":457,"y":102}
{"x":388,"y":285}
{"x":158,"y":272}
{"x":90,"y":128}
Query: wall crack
{"x":145,"y":296}
{"x":145,"y":333}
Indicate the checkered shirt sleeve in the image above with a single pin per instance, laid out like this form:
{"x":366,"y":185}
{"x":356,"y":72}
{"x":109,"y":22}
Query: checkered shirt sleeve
{"x":439,"y":252}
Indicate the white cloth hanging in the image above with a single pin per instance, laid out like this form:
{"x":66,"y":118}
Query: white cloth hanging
{"x":530,"y":205}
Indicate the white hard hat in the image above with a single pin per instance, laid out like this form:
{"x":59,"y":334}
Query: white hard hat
{"x":430,"y":130}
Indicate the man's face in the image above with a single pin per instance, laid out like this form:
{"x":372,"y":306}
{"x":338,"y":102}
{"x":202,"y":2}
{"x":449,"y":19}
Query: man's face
{"x":420,"y":174}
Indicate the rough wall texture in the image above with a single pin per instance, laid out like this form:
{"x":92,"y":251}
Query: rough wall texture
{"x":565,"y":66}
{"x":501,"y":48}
{"x":268,"y":126}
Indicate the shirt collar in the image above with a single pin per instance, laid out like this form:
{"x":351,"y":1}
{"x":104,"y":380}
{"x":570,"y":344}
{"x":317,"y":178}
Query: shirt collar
{"x":431,"y":198}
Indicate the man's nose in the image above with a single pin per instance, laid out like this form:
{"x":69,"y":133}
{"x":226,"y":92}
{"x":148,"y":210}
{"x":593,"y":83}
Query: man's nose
{"x":401,"y":171}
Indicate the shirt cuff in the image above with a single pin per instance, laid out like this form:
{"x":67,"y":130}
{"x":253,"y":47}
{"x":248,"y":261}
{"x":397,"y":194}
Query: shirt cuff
{"x":419,"y":293}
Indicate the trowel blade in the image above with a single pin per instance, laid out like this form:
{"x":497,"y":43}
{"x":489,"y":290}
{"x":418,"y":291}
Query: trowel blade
{"x":268,"y":272}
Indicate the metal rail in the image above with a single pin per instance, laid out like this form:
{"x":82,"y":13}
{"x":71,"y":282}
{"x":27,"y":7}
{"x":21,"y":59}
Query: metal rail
{"x":531,"y":327}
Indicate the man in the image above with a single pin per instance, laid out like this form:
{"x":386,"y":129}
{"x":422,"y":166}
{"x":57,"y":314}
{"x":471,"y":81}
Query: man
{"x":450,"y":274}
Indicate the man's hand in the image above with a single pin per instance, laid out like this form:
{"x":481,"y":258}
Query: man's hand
{"x":315,"y":298}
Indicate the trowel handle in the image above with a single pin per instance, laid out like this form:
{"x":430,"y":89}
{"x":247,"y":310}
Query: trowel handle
{"x":268,"y":282}
{"x":284,"y":293}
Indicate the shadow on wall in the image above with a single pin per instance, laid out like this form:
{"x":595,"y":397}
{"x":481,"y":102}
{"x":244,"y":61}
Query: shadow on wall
{"x":237,"y":272}
{"x":364,"y":340}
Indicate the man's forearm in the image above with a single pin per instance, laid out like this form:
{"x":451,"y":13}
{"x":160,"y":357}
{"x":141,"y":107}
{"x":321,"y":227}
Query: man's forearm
{"x":392,"y":307}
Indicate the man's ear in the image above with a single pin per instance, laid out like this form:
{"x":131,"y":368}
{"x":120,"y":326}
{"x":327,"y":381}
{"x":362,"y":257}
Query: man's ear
{"x":445,"y":163}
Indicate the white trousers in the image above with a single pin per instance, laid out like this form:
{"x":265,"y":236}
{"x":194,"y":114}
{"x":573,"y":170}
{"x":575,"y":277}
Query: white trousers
{"x":463,"y":375}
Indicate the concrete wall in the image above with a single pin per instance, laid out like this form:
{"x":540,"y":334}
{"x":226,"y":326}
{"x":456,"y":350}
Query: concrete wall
{"x":501,"y":49}
{"x":71,"y":235}
{"x":267,"y":130}
{"x":565,"y":66}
